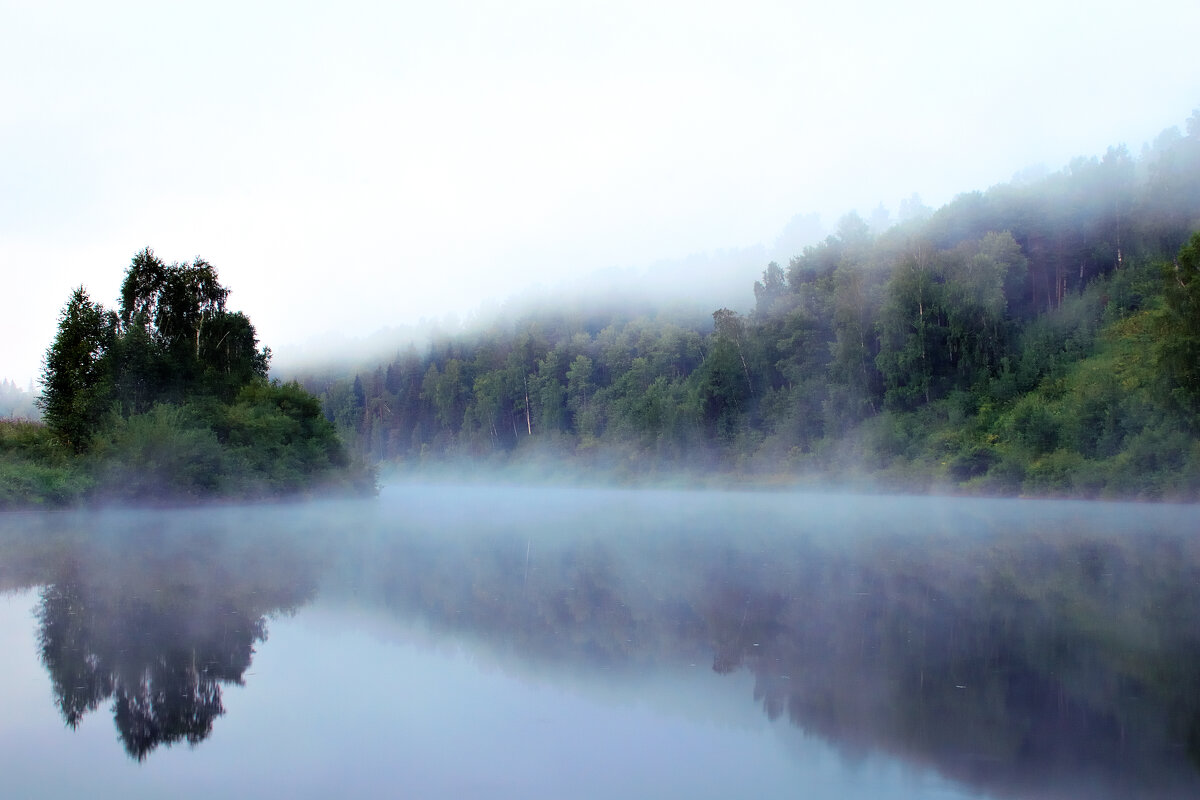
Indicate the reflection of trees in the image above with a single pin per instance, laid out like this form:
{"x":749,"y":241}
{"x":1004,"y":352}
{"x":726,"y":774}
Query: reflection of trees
{"x":742,"y":620}
{"x":1028,"y":662}
{"x":158,"y":631}
{"x":1024,"y":663}
{"x":1020,"y":664}
{"x":162,"y":670}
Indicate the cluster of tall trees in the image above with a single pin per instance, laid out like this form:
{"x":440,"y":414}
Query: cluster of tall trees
{"x":166,"y":398}
{"x":959,"y":347}
{"x":171,"y":340}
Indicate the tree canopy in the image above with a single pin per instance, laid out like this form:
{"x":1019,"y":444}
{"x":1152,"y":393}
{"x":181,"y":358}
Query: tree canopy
{"x":171,"y":341}
{"x":167,"y":398}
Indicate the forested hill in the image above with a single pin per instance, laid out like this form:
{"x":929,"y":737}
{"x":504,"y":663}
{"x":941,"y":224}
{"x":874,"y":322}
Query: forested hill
{"x":1042,"y":337}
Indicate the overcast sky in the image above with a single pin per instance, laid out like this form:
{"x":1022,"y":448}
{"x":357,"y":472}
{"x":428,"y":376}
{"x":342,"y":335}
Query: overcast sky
{"x":354,"y":166}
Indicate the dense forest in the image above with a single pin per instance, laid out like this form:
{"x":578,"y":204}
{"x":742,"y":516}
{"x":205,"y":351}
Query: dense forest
{"x":167,"y":400}
{"x":1041,"y":337}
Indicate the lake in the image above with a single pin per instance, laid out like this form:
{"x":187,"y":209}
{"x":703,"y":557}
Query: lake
{"x":493,"y":641}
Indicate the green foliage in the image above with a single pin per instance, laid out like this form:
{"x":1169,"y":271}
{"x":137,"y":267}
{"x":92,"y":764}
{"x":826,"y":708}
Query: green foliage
{"x":171,"y":340}
{"x":945,"y":325}
{"x":1179,"y":352}
{"x":273,"y":440}
{"x":168,"y":401}
{"x":1018,"y":340}
{"x":177,"y":339}
{"x":35,"y":470}
{"x":30,"y":440}
{"x":164,"y":453}
{"x":280,"y":430}
{"x":1102,"y":425}
{"x":76,"y":382}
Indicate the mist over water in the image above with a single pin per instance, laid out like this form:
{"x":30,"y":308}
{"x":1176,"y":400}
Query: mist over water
{"x":523,"y":641}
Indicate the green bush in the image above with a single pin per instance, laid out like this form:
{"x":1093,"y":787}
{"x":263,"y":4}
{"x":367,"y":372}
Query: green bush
{"x":1034,"y":426}
{"x":1053,"y":474}
{"x":35,"y":469}
{"x":163,"y":454}
{"x":25,"y":484}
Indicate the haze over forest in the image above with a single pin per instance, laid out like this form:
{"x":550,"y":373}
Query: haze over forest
{"x":362,"y":168}
{"x":1038,"y":338}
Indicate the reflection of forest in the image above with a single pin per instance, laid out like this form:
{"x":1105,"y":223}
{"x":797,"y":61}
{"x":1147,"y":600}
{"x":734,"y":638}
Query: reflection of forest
{"x":1019,"y":658}
{"x":1031,"y":662}
{"x":157,"y":622}
{"x":1039,"y":661}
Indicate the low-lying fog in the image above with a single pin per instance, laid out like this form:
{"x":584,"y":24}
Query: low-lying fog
{"x":528,"y":641}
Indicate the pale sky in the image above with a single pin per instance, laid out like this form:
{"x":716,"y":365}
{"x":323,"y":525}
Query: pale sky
{"x":354,"y":166}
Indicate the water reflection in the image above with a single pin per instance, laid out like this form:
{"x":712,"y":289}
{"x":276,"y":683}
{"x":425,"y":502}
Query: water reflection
{"x":157,"y":615}
{"x":1047,"y":659}
{"x":1021,"y":649}
{"x":1045,"y":650}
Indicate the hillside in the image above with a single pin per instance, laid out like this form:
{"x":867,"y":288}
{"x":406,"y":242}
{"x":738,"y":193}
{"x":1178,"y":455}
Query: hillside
{"x":1040,"y":337}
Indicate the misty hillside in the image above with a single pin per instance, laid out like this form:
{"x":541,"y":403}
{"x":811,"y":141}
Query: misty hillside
{"x":1037,"y":337}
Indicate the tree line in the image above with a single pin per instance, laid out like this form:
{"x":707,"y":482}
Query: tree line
{"x":1038,"y":337}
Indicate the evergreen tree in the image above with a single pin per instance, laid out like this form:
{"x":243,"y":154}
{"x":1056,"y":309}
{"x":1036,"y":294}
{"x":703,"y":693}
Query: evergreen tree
{"x":76,"y":387}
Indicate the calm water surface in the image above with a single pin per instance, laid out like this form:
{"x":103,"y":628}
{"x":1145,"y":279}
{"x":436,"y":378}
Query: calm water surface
{"x":503,"y":642}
